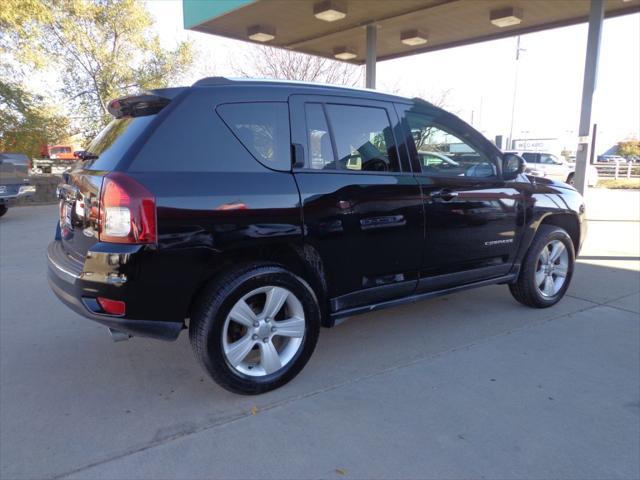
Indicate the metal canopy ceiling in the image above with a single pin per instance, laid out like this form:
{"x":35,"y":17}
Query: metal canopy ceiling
{"x":446,"y":23}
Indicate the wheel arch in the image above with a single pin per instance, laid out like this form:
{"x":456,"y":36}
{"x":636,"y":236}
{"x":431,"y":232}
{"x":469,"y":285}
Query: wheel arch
{"x":302,"y":260}
{"x":567,"y":221}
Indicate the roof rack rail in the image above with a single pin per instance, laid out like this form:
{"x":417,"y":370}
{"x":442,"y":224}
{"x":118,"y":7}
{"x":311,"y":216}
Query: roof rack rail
{"x":213,"y":81}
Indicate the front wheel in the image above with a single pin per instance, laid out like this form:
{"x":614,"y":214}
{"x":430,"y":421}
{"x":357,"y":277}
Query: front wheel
{"x":255,"y":328}
{"x":547,"y":268}
{"x":3,"y":210}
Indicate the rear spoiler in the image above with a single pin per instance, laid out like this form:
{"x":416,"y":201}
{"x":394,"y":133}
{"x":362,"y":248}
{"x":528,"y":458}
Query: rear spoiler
{"x":145,"y":103}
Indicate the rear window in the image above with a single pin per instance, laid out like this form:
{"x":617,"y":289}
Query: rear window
{"x":263,"y":129}
{"x":16,"y":159}
{"x":114,"y":140}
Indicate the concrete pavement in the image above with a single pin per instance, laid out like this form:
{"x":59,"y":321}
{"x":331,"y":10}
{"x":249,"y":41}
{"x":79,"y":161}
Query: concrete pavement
{"x":466,"y":386}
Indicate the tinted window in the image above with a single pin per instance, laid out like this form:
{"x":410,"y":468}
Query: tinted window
{"x":263,"y":128}
{"x":114,"y":140}
{"x":318,"y":137}
{"x":441,"y":153}
{"x":193,"y":138}
{"x":530,"y":157}
{"x":363,"y":139}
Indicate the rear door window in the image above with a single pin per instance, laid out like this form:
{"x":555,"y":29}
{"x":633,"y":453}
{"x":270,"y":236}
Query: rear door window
{"x":530,"y":157}
{"x":263,"y":129}
{"x":318,"y":137}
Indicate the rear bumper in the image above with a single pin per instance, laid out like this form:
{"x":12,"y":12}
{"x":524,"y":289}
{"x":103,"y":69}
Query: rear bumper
{"x":67,"y":283}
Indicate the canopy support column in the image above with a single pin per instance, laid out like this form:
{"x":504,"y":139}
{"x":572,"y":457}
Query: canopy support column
{"x":596,"y":19}
{"x":370,"y":73}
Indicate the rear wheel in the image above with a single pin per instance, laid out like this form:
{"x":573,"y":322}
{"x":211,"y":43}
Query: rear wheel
{"x":255,"y":328}
{"x":3,"y":210}
{"x":546,"y":270}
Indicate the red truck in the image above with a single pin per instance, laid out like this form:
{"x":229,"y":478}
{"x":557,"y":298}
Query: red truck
{"x":58,"y":152}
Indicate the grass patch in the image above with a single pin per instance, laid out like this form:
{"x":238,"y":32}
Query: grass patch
{"x":620,"y":183}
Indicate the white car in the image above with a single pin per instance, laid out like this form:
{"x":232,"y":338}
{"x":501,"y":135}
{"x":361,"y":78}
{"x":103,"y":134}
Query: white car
{"x":548,"y":165}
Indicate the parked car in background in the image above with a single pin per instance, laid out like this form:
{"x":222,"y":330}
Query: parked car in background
{"x":549,"y":165}
{"x":254,"y":212}
{"x":611,"y":158}
{"x":14,"y":179}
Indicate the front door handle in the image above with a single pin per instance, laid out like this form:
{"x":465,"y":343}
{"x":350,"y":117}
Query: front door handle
{"x":444,"y":194}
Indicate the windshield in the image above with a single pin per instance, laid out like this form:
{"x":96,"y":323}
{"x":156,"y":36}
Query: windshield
{"x":114,"y":140}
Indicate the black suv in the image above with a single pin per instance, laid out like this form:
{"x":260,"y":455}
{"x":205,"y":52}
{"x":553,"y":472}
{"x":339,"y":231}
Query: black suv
{"x":255,"y":212}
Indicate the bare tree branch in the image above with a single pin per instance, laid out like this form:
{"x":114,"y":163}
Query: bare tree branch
{"x":281,"y":64}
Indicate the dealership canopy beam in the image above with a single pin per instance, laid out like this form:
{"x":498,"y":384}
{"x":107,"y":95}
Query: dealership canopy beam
{"x":404,"y":27}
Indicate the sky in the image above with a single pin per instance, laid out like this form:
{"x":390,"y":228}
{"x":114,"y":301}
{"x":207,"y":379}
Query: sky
{"x":479,"y":79}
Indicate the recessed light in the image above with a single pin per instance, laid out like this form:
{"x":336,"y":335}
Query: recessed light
{"x":261,"y":33}
{"x":344,"y":53}
{"x":506,"y":17}
{"x":413,"y":38}
{"x":329,"y":11}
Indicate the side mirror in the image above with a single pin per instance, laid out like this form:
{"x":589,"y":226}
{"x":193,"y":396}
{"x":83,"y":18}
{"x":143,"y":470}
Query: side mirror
{"x":512,"y":166}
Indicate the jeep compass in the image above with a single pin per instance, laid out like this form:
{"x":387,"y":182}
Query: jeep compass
{"x":251,"y":213}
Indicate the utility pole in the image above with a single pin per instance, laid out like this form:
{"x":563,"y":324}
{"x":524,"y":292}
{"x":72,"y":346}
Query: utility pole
{"x":515,"y":91}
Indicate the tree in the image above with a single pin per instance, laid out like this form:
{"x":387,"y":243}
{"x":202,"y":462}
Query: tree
{"x":629,"y":148}
{"x":99,"y":50}
{"x":425,"y":137}
{"x":278,"y":63}
{"x":27,"y":121}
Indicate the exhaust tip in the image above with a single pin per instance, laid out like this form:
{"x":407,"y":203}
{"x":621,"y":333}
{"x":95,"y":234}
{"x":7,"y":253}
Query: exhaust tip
{"x":118,"y":336}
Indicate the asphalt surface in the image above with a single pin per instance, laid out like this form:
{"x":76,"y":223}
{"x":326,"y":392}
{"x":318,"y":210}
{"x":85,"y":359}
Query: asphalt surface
{"x":472,"y":385}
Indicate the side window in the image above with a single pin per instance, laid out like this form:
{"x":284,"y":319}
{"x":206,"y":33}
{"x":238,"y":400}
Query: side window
{"x":442,"y":154}
{"x":263,"y":128}
{"x":548,"y":159}
{"x":363,"y":138}
{"x":318,"y":138}
{"x":530,"y":157}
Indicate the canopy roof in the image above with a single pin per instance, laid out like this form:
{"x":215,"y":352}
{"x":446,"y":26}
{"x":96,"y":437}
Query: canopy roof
{"x":444,"y":23}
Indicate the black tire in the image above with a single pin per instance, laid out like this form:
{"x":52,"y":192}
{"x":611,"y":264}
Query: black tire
{"x":212,"y":308}
{"x":525,"y":290}
{"x":3,"y":210}
{"x":570,"y":178}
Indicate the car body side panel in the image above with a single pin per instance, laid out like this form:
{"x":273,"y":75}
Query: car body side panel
{"x":544,"y":198}
{"x":369,"y":228}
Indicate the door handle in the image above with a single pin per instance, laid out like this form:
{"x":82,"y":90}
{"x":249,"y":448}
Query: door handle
{"x":444,"y":194}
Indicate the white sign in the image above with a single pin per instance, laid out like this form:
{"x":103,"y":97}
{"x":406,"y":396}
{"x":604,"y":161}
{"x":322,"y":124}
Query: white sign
{"x":537,"y":144}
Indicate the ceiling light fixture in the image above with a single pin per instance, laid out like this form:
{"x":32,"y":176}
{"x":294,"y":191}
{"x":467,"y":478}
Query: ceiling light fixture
{"x":506,"y":17}
{"x":344,"y":53}
{"x":261,"y":33}
{"x":413,"y":38}
{"x":329,"y":11}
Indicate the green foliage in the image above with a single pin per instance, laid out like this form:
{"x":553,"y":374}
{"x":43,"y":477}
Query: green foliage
{"x":99,"y":50}
{"x":629,"y":148}
{"x":27,"y":122}
{"x":620,"y":183}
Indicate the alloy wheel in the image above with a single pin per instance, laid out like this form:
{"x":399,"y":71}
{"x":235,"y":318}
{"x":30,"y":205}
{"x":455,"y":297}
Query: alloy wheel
{"x":263,"y":331}
{"x":552,"y":268}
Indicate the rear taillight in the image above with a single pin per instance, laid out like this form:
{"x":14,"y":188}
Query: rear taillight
{"x":127,"y":211}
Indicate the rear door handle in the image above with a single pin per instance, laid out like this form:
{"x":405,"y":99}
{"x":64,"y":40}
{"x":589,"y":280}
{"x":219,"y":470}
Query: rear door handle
{"x":444,"y":194}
